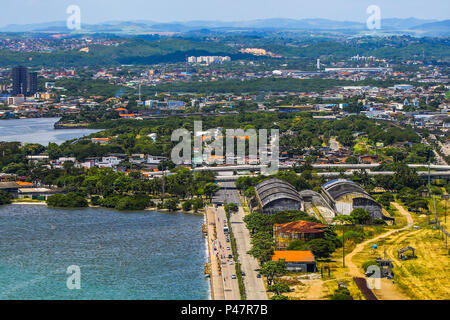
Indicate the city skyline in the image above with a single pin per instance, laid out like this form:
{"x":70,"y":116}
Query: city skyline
{"x":43,"y":11}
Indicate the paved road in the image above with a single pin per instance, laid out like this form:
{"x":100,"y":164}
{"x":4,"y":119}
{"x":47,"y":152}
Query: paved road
{"x":227,"y":193}
{"x":388,"y":291}
{"x":230,"y":286}
{"x":254,"y":286}
{"x":445,"y":148}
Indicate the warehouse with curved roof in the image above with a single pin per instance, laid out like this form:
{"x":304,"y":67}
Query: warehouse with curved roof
{"x":345,"y":195}
{"x":274,"y":195}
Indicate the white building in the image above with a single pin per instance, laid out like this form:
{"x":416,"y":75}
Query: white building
{"x":208,"y":59}
{"x":108,"y":162}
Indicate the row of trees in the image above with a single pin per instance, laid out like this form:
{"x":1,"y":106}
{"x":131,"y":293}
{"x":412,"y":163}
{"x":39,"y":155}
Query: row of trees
{"x":299,"y":132}
{"x":70,"y":200}
{"x":5,"y":198}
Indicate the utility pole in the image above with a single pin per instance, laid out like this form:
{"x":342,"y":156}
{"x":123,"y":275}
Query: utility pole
{"x":429,"y":165}
{"x":343,"y":245}
{"x":445,"y":211}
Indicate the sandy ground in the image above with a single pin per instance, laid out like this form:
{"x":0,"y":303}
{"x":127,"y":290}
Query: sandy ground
{"x":388,"y":290}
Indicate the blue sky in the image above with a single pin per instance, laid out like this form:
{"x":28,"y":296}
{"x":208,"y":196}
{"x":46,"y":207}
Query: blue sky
{"x":94,"y":11}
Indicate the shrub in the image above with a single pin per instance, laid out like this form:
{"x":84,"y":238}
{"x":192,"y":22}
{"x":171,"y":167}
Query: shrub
{"x":171,"y":204}
{"x":369,"y":263}
{"x":360,"y":215}
{"x":71,"y":200}
{"x":341,"y":294}
{"x":279,"y":288}
{"x":378,"y":221}
{"x":96,"y":200}
{"x":231,"y":208}
{"x":297,"y":245}
{"x":280,"y":297}
{"x":197,"y":203}
{"x":385,"y":199}
{"x":291,"y":215}
{"x":356,"y":236}
{"x":187,"y":205}
{"x":321,"y":248}
{"x":5,"y":198}
{"x":137,"y":202}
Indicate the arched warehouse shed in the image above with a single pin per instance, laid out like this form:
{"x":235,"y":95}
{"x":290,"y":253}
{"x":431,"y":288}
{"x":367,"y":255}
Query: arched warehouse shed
{"x":274,"y":195}
{"x":345,"y":196}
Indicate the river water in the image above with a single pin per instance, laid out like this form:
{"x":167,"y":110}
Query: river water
{"x":39,"y":130}
{"x":121,"y":255}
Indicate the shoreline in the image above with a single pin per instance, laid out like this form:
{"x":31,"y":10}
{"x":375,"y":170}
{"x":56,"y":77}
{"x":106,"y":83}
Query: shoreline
{"x":37,"y":203}
{"x":43,"y":203}
{"x":207,"y":257}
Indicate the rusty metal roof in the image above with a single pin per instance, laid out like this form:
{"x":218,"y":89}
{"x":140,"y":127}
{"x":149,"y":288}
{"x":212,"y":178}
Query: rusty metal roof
{"x":300,"y":227}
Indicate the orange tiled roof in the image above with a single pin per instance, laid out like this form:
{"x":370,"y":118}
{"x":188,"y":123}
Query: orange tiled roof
{"x":24,"y":184}
{"x":293,"y":256}
{"x":300,"y":227}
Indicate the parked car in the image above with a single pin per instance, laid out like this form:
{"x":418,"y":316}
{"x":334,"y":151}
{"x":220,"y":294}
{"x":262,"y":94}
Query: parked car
{"x":243,"y":274}
{"x":233,"y":276}
{"x":258,"y":275}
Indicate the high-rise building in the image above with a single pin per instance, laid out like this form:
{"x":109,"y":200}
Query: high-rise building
{"x":20,"y":82}
{"x":24,"y":82}
{"x":32,"y":83}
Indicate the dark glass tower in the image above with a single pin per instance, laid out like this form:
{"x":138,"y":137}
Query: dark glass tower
{"x":32,"y":83}
{"x":24,"y":82}
{"x":20,"y":81}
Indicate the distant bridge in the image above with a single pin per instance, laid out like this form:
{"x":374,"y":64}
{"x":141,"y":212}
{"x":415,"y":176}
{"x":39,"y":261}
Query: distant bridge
{"x":317,"y":166}
{"x":423,"y":174}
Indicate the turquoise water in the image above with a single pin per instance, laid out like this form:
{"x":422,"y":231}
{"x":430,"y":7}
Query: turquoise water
{"x":39,"y":130}
{"x":121,"y":255}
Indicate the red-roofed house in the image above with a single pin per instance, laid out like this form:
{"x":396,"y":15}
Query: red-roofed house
{"x":297,"y":230}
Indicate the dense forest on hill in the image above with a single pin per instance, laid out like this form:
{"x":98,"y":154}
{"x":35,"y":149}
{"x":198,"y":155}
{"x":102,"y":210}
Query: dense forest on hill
{"x":139,"y":51}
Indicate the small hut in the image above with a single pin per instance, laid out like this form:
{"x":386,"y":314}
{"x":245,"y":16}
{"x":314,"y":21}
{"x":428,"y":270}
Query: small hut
{"x":386,"y":267}
{"x":401,"y":253}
